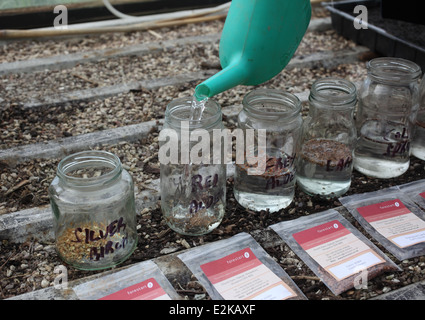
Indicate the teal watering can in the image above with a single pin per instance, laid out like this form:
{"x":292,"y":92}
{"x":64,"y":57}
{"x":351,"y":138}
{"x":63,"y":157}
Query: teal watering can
{"x":258,"y":40}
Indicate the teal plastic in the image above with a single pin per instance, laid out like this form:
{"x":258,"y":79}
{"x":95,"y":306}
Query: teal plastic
{"x":258,"y":40}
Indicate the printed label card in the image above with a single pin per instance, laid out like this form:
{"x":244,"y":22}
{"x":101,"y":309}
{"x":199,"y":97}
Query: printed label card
{"x":393,"y":216}
{"x":146,"y":290}
{"x":242,"y":276}
{"x":337,"y":250}
{"x":395,"y":222}
{"x":338,"y":253}
{"x":142,"y":281}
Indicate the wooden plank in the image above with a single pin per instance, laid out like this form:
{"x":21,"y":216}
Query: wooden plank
{"x":60,"y":148}
{"x":70,"y":60}
{"x":67,"y":61}
{"x":64,"y":146}
{"x":327,"y":59}
{"x":108,"y":91}
{"x":37,"y":223}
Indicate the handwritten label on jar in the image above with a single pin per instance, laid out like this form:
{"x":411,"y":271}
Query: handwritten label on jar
{"x":400,"y":147}
{"x":340,"y":166}
{"x":279,"y":171}
{"x":107,"y":240}
{"x":275,"y":182}
{"x":206,"y":185}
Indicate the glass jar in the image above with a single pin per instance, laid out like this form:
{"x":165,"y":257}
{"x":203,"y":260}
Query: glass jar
{"x":325,"y":160}
{"x":278,"y":113}
{"x":193,"y":185}
{"x":418,"y":143}
{"x":94,"y":216}
{"x":388,"y":105}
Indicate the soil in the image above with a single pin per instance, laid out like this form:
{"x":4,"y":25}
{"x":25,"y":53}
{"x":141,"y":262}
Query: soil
{"x":159,"y":241}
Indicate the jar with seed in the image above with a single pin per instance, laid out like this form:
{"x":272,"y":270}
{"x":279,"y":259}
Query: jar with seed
{"x":325,"y":160}
{"x":94,"y":216}
{"x":271,"y":123}
{"x":386,"y":115}
{"x":193,"y":181}
{"x":418,"y":143}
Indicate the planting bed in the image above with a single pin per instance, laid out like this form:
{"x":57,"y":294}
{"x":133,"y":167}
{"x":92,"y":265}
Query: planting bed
{"x":116,"y":102}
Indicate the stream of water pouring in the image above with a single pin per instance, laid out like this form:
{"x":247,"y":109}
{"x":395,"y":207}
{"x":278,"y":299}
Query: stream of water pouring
{"x":197,"y":108}
{"x":196,"y":111}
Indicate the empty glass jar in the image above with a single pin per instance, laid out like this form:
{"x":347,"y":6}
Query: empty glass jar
{"x":193,"y":185}
{"x":94,"y":216}
{"x":277,"y":115}
{"x":418,"y":143}
{"x":387,"y":110}
{"x":325,"y":160}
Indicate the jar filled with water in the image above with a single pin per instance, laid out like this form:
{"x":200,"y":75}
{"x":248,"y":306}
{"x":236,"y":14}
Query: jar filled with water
{"x":386,"y":115}
{"x":325,"y":160}
{"x":275,"y":116}
{"x":94,"y":216}
{"x":193,"y":185}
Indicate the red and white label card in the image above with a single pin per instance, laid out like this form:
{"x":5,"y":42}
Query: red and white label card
{"x":146,"y":290}
{"x":422,"y":194}
{"x":242,"y":276}
{"x":336,"y":249}
{"x":395,"y":222}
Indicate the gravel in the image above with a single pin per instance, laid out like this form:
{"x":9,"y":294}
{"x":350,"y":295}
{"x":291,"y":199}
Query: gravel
{"x":29,"y":266}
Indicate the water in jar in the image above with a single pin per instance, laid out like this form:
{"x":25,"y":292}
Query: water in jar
{"x":382,"y":149}
{"x":273,"y":190}
{"x":193,"y":194}
{"x":194,"y":199}
{"x":324,"y":168}
{"x":418,"y":146}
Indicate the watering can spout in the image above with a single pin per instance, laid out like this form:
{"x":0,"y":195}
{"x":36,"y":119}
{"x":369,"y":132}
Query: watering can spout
{"x":227,"y":78}
{"x":258,"y":40}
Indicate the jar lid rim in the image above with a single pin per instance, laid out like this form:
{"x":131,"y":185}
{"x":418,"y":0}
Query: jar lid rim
{"x":278,"y":95}
{"x":90,"y":156}
{"x":186,"y":102}
{"x":348,"y":99}
{"x":397,"y":69}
